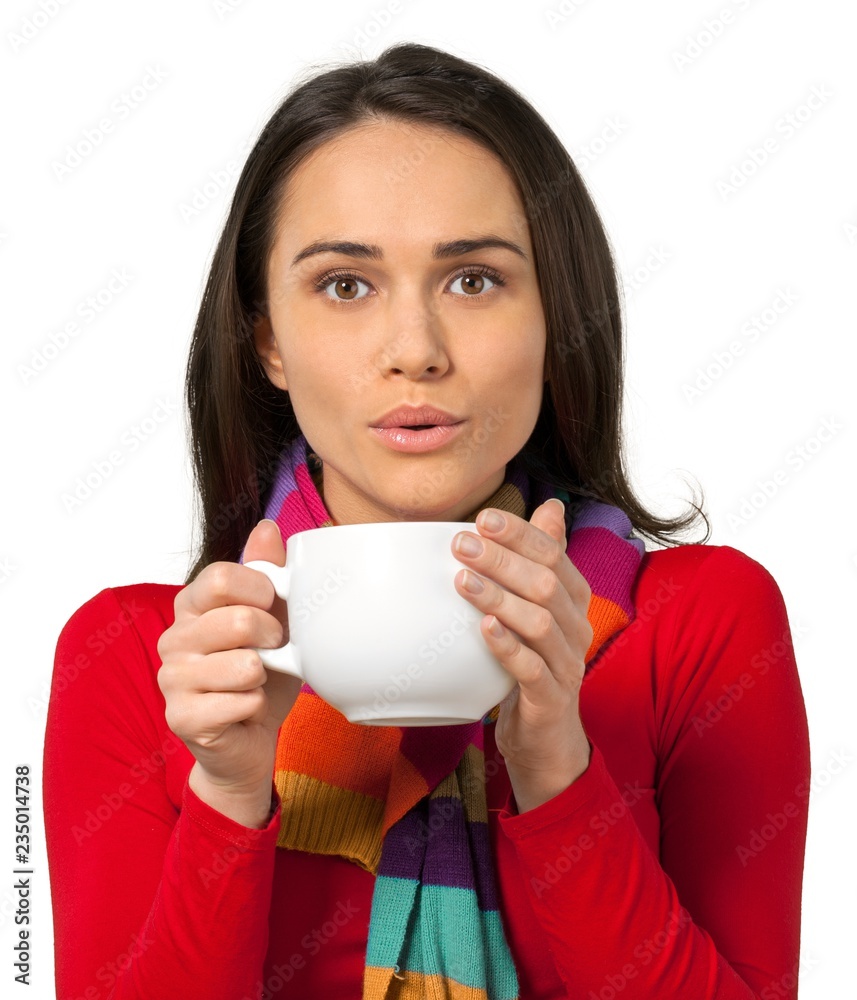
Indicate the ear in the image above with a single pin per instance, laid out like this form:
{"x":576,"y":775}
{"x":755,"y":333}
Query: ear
{"x":266,"y":347}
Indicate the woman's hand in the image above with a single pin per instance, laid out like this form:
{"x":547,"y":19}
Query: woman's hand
{"x":220,"y":699}
{"x":545,"y":635}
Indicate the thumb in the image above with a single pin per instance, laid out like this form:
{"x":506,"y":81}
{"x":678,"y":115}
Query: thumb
{"x":550,"y":518}
{"x":265,"y":542}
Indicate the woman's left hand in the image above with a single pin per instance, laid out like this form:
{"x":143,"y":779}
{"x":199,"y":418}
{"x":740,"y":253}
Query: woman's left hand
{"x":545,"y":635}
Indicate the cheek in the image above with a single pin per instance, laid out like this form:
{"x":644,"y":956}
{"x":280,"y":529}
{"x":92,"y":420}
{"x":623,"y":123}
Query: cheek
{"x":524,"y":339}
{"x":317,"y":370}
{"x":516,"y":365}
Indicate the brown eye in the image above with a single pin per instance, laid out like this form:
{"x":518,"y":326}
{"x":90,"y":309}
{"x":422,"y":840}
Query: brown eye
{"x":473,"y":281}
{"x":345,"y":286}
{"x":348,"y":287}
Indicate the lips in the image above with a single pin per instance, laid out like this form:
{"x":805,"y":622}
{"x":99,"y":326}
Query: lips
{"x":414,"y":441}
{"x":417,"y":417}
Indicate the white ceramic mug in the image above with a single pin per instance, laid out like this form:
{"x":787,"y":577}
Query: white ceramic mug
{"x":377,"y":628}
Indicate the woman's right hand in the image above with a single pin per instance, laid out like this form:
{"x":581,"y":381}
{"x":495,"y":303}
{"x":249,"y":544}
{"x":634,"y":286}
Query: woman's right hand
{"x":221,"y":700}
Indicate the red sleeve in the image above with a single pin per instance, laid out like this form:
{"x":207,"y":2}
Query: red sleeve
{"x":148,"y":900}
{"x":717,"y":916}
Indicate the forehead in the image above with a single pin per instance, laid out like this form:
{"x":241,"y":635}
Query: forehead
{"x":398,"y":183}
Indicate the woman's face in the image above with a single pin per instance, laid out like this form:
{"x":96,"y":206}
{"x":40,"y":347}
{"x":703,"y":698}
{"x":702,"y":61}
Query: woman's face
{"x":403,"y":316}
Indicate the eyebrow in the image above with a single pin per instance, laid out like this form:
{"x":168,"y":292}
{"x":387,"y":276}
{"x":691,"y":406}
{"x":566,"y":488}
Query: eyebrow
{"x":440,"y":251}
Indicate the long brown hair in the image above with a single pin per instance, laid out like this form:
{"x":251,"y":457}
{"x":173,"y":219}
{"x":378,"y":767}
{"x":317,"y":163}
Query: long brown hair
{"x":239,"y":421}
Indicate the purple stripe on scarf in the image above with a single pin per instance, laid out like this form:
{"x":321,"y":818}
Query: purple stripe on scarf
{"x":603,"y":515}
{"x":450,"y":858}
{"x":284,"y":484}
{"x":444,"y":866}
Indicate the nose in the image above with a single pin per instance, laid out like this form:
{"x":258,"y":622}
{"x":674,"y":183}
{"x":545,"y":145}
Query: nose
{"x":415,"y":344}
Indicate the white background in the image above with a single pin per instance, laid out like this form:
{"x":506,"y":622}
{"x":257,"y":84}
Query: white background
{"x":679,"y":133}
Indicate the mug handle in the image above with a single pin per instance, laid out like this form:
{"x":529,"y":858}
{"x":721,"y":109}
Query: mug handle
{"x":285,"y":658}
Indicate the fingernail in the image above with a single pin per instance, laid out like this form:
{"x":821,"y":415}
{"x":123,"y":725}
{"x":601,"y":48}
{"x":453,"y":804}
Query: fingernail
{"x":270,"y":521}
{"x":496,"y":629}
{"x":468,"y":545}
{"x":492,"y":521}
{"x":561,"y":504}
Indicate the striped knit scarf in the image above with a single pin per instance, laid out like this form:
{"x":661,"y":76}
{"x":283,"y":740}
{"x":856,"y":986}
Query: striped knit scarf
{"x":408,"y":803}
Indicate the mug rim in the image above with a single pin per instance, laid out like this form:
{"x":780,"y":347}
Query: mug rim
{"x":462,"y":525}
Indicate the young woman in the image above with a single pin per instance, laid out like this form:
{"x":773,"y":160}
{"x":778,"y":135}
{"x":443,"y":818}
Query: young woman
{"x":410,"y":245}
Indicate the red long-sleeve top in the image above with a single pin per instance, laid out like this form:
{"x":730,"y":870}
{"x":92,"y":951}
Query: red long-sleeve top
{"x":672,"y":867}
